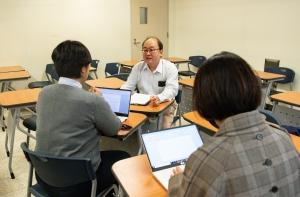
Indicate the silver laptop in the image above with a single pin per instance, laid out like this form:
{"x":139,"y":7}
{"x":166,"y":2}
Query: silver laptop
{"x":119,"y":101}
{"x":169,"y":148}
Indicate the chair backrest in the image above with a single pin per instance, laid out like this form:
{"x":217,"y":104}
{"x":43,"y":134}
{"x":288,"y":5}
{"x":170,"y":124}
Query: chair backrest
{"x":122,"y":76}
{"x":289,"y":74}
{"x":49,"y":69}
{"x":271,"y":63}
{"x":111,"y":68}
{"x":61,"y":171}
{"x":197,"y":61}
{"x":54,"y":76}
{"x":95,"y":63}
{"x":270,"y":117}
{"x":178,"y":96}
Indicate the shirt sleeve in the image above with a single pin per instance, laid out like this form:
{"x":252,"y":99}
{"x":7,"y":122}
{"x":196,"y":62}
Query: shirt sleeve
{"x":171,"y":88}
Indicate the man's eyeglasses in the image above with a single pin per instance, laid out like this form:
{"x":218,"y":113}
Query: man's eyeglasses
{"x":150,"y":51}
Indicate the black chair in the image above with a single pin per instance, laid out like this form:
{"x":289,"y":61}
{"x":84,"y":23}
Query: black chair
{"x":178,"y":114}
{"x":54,"y":76}
{"x":122,"y":76}
{"x":111,"y":68}
{"x":270,"y":117}
{"x":41,"y":84}
{"x":196,"y":61}
{"x":30,"y":124}
{"x":94,"y":64}
{"x":289,"y":77}
{"x":60,"y":172}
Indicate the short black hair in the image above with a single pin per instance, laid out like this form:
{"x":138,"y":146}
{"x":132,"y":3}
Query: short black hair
{"x":70,"y":57}
{"x":225,"y":85}
{"x":160,"y":44}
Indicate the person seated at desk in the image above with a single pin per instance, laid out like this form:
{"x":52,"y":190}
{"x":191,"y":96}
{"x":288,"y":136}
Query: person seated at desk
{"x":246,"y":157}
{"x":71,"y":120}
{"x":155,"y":76}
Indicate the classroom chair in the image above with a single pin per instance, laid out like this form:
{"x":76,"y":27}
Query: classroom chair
{"x":196,"y":61}
{"x":270,"y":117}
{"x":111,"y":68}
{"x":122,"y":76}
{"x":60,"y":171}
{"x":41,"y":84}
{"x":30,"y":124}
{"x":289,"y":77}
{"x":94,"y":64}
{"x":178,"y":114}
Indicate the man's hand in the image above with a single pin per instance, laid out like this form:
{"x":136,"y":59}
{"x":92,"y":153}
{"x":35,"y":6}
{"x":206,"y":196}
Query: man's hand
{"x":96,"y":90}
{"x":155,"y":100}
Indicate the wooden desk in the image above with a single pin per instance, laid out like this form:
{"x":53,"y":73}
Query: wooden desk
{"x":287,"y":115}
{"x":177,"y":60}
{"x":11,"y":69}
{"x":194,"y":117}
{"x":187,"y":94}
{"x":290,"y":97}
{"x":129,"y":63}
{"x":106,"y":82}
{"x":136,"y":179}
{"x":14,"y":101}
{"x":150,"y":110}
{"x":267,"y":79}
{"x":7,"y":77}
{"x":135,"y":120}
{"x":92,"y":69}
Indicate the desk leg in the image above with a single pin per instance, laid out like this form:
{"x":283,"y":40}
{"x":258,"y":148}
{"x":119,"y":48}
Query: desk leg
{"x":11,"y":128}
{"x":159,"y":121}
{"x":139,"y":139}
{"x":274,"y":106}
{"x":267,"y":94}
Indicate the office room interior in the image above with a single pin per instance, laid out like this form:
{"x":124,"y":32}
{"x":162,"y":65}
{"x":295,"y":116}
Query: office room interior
{"x":255,"y":30}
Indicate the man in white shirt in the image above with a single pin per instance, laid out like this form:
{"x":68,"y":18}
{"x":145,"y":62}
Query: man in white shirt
{"x":155,"y":76}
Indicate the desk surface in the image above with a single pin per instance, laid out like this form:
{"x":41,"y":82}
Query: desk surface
{"x":92,"y":68}
{"x":187,"y":82}
{"x":134,"y":120}
{"x":290,"y":97}
{"x":111,"y":82}
{"x":268,"y":76}
{"x":129,"y":63}
{"x":150,"y":109}
{"x":197,"y":119}
{"x":177,"y":60}
{"x":11,"y":69}
{"x":19,"y":97}
{"x":9,"y":76}
{"x":135,"y":177}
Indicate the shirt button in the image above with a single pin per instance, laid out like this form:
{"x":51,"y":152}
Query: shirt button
{"x":259,"y":136}
{"x":268,"y":162}
{"x":274,"y":189}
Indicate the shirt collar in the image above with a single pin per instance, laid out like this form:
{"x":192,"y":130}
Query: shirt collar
{"x":70,"y":82}
{"x":159,"y":67}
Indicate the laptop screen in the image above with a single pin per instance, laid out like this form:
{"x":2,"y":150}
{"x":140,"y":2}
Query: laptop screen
{"x":119,"y":100}
{"x":171,"y":147}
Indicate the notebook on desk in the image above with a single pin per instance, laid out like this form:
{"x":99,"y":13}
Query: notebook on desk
{"x":140,"y":99}
{"x":169,"y":148}
{"x":119,"y":101}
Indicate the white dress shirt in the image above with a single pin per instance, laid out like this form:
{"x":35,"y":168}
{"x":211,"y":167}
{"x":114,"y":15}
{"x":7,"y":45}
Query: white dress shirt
{"x":146,"y":81}
{"x":70,"y":82}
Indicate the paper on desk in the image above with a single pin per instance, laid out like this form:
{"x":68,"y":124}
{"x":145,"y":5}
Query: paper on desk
{"x":140,"y":99}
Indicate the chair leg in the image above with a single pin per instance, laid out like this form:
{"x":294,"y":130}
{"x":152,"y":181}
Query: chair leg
{"x":28,"y":138}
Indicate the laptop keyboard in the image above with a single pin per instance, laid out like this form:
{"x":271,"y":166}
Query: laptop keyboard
{"x":122,"y":118}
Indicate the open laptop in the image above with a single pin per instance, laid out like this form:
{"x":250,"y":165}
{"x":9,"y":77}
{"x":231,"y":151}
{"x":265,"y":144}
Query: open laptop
{"x":119,"y":101}
{"x":169,"y":148}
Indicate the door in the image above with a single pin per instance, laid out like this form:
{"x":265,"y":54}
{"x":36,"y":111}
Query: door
{"x":155,"y":24}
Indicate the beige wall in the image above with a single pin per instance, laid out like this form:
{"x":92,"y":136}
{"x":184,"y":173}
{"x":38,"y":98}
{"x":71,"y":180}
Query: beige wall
{"x":255,"y":30}
{"x":31,"y":29}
